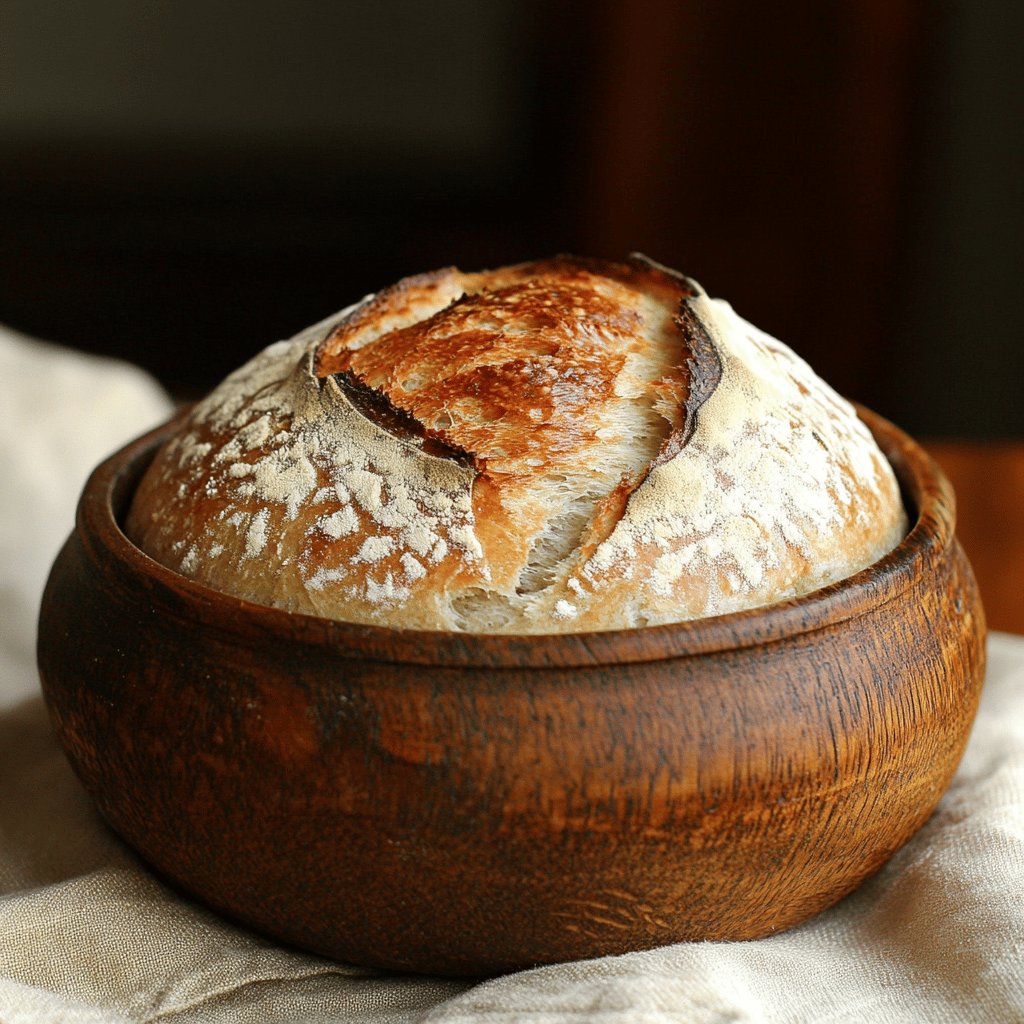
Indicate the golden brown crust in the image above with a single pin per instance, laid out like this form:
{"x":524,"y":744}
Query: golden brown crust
{"x":516,"y":347}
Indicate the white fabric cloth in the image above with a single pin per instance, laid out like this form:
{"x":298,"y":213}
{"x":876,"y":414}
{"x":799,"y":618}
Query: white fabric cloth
{"x":89,"y":936}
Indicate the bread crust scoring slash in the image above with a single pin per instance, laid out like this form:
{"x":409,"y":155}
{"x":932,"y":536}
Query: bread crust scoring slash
{"x":567,"y":444}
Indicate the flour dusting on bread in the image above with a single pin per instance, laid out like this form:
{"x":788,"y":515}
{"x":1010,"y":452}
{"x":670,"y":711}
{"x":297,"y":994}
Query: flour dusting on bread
{"x":562,"y":445}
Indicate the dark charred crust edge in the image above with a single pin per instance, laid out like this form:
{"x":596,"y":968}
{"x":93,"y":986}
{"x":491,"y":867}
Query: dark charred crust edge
{"x":704,"y":370}
{"x":703,"y":363}
{"x":374,"y":405}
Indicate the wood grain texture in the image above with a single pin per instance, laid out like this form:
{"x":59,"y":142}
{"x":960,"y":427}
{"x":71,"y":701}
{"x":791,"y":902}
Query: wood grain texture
{"x":467,"y":804}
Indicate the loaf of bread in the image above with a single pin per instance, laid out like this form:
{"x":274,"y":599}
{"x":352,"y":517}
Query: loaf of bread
{"x":568,"y":444}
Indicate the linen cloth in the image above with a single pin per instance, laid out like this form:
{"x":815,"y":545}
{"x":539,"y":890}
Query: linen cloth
{"x":89,"y":936}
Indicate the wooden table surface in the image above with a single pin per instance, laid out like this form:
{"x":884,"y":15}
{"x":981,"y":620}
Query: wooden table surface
{"x":988,"y":478}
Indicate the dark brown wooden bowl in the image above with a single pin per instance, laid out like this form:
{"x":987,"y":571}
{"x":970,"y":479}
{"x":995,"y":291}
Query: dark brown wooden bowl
{"x":468,"y":804}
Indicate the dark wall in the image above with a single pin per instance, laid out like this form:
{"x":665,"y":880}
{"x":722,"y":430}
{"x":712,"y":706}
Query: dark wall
{"x":183,"y":183}
{"x":959,"y":331}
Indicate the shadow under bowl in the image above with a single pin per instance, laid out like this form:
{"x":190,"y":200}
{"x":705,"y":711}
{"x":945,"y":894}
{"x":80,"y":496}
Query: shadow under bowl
{"x":472,"y":804}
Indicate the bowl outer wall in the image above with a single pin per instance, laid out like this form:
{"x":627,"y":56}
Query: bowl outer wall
{"x":471,"y":804}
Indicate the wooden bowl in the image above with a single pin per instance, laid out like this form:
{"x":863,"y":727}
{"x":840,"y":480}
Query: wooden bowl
{"x":468,"y":804}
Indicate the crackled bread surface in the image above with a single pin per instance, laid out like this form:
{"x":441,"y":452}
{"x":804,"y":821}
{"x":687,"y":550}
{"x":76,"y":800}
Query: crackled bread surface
{"x":561,"y":445}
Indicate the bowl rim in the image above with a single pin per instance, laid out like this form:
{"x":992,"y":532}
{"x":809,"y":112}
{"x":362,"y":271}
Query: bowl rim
{"x":927,"y":494}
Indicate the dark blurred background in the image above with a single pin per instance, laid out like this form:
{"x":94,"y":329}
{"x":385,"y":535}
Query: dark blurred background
{"x":184,"y":182}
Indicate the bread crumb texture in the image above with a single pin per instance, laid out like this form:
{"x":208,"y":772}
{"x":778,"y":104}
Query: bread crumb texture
{"x":561,"y":445}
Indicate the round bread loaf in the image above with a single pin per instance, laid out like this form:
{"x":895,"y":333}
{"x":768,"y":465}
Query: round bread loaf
{"x":562,"y":445}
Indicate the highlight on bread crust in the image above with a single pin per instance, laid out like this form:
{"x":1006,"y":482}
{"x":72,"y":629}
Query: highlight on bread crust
{"x":567,"y":444}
